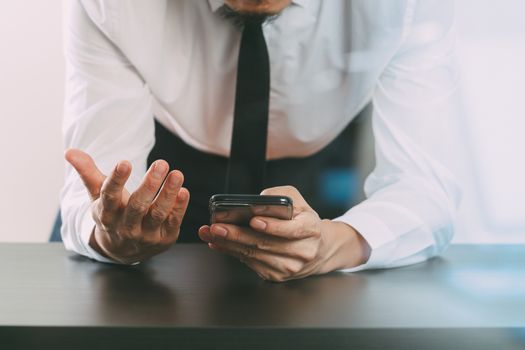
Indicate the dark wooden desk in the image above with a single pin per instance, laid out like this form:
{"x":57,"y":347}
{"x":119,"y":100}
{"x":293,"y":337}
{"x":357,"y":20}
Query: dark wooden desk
{"x":471,"y":298}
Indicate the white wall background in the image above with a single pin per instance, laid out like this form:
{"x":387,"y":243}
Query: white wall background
{"x":492,"y":62}
{"x":31,"y":93}
{"x":491,"y":55}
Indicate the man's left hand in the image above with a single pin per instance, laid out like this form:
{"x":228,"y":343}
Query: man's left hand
{"x":280,"y":250}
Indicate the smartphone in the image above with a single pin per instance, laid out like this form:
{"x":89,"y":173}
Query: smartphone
{"x":240,"y":208}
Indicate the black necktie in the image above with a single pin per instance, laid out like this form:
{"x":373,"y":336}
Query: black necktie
{"x":247,"y":163}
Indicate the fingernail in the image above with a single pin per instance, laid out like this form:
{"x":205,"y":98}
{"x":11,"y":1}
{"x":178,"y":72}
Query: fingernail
{"x":70,"y":155}
{"x":183,"y":195}
{"x":174,"y":180}
{"x":158,"y":169}
{"x":206,"y":236}
{"x":122,"y":167}
{"x":219,"y":231}
{"x":258,"y":224}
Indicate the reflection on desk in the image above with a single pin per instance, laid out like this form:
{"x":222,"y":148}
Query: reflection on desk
{"x":471,"y":298}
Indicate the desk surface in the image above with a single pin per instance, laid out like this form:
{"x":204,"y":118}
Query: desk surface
{"x":472,"y":297}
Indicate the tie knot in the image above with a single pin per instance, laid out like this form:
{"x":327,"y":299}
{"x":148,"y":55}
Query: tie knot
{"x":254,"y":22}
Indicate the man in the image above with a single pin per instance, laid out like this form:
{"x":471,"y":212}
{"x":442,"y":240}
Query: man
{"x":202,"y":68}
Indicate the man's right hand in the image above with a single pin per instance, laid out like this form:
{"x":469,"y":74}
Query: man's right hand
{"x":132,"y":227}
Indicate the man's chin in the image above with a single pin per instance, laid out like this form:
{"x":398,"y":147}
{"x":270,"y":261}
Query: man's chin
{"x":260,"y":8}
{"x":241,"y":18}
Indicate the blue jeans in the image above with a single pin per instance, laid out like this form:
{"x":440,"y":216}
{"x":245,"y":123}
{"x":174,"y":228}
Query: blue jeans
{"x":55,"y":231}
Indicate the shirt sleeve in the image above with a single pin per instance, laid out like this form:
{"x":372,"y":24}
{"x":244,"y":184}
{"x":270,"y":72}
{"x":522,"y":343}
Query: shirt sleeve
{"x":412,"y":195}
{"x":107,"y":113}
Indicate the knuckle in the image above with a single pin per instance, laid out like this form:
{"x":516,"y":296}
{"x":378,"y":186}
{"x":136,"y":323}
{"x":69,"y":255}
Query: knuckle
{"x":107,"y":195}
{"x":314,"y":231}
{"x":276,"y":277}
{"x":266,"y":275}
{"x":304,"y":229}
{"x":125,"y":233}
{"x":296,"y":234}
{"x":105,"y":218}
{"x":292,"y":269}
{"x":126,"y":229}
{"x":240,"y":235}
{"x":151,"y":186}
{"x":133,"y":236}
{"x":262,"y":275}
{"x":249,"y":252}
{"x":168,"y":193}
{"x":308,"y":254}
{"x":138,"y":207}
{"x":174,"y":222}
{"x":156,"y":214}
{"x":304,"y":226}
{"x":262,"y":243}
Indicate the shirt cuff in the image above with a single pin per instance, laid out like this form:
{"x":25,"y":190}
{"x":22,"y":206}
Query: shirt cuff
{"x":380,"y":238}
{"x":85,"y":234}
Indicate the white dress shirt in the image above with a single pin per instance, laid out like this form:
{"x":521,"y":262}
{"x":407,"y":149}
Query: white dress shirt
{"x":131,"y":61}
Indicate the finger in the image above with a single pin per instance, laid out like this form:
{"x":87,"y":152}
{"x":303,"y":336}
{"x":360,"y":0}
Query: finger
{"x":284,"y":267}
{"x":140,"y":200}
{"x":244,"y":252}
{"x":289,"y":191}
{"x":177,"y":214}
{"x":205,"y":234}
{"x":111,"y":191}
{"x":87,"y":169}
{"x":165,"y":201}
{"x":247,"y":236}
{"x":300,"y":227}
{"x":300,"y":249}
{"x":265,"y":271}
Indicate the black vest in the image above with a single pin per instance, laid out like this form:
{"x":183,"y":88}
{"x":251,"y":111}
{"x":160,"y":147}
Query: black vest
{"x":205,"y":174}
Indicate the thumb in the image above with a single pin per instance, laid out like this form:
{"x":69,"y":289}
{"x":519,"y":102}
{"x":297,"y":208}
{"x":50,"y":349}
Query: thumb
{"x":88,"y":171}
{"x":289,"y":191}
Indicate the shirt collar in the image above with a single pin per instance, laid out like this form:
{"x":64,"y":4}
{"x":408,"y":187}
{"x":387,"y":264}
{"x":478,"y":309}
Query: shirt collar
{"x":216,"y":4}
